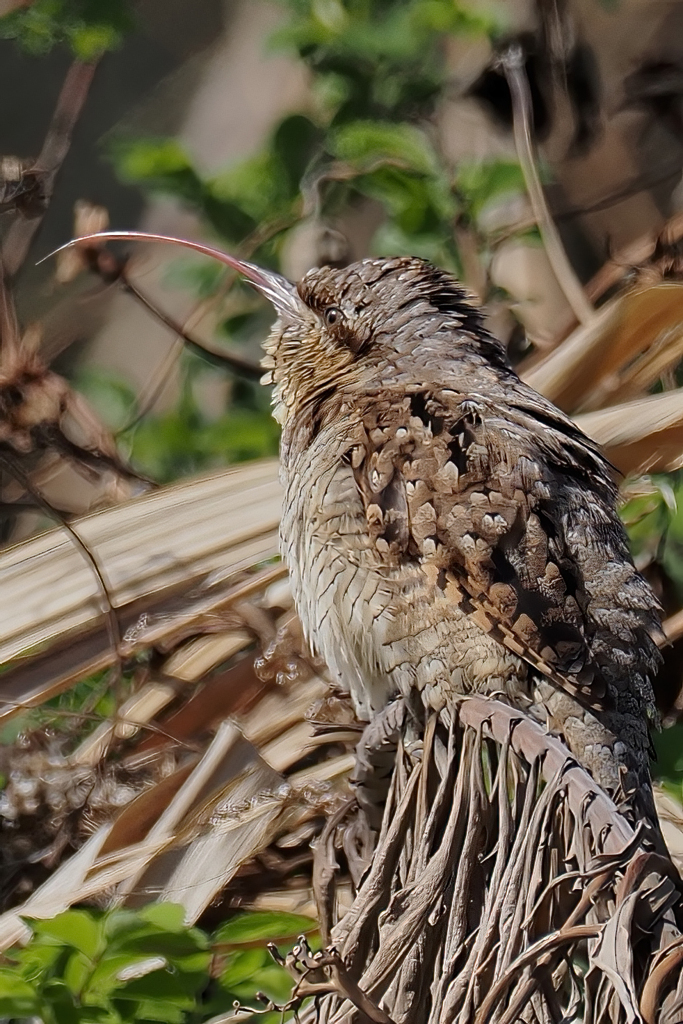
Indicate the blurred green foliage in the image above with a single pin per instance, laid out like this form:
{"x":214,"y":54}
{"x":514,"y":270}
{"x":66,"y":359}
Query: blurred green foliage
{"x":120,"y":966}
{"x":654,"y":520}
{"x":668,"y":767}
{"x":184,"y":439}
{"x":378,"y":59}
{"x":378,"y":71}
{"x":87,"y":27}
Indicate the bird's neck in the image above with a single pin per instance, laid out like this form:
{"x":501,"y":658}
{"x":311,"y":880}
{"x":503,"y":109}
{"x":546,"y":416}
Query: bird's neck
{"x":308,"y":419}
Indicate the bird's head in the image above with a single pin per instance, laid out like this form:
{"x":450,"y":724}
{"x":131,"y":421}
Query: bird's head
{"x":362,"y":327}
{"x":340,"y":332}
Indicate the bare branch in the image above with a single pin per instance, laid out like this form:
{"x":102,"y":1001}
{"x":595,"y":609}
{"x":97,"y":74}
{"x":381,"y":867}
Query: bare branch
{"x":14,"y":467}
{"x":513,"y":66}
{"x":55,"y":147}
{"x":218,"y":356}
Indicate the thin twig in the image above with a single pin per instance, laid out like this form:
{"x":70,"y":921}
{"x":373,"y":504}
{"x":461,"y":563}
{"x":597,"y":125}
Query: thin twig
{"x":10,"y":341}
{"x":216,"y":355}
{"x":513,"y":66}
{"x":48,"y":163}
{"x":15,"y":469}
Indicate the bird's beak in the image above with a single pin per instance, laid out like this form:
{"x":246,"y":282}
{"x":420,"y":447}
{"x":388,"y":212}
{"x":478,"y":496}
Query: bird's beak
{"x":276,"y":288}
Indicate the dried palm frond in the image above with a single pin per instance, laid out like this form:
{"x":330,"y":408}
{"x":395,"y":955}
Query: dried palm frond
{"x":230,"y":768}
{"x":173,"y":562}
{"x":504,"y":885}
{"x":629,"y":343}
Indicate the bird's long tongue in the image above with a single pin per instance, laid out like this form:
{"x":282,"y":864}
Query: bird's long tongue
{"x":274,"y":287}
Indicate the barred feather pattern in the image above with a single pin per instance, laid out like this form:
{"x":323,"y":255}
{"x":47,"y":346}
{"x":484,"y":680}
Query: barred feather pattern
{"x":448,"y":530}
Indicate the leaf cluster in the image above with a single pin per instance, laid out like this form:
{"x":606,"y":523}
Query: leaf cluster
{"x":184,"y":439}
{"x":378,"y":72}
{"x":87,"y":27}
{"x":378,"y":60}
{"x":119,"y":966}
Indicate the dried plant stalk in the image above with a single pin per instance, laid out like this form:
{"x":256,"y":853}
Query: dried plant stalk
{"x":504,"y":879}
{"x":158,"y":579}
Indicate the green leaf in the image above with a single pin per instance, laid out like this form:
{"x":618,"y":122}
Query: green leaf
{"x":17,"y":997}
{"x":37,"y":957}
{"x":89,"y":41}
{"x":175,"y":946}
{"x":242,"y":965}
{"x":258,"y":187}
{"x":155,"y":160}
{"x":162,"y":165}
{"x":271,"y":979}
{"x":77,"y":928}
{"x":366,"y":142}
{"x":484,"y":182}
{"x":259,"y":925}
{"x":104,"y":980}
{"x":180,"y":950}
{"x":294,"y":144}
{"x":169,"y":917}
{"x":88,"y":27}
{"x":59,"y":1005}
{"x":172,"y":989}
{"x":77,"y":971}
{"x":157,"y":1010}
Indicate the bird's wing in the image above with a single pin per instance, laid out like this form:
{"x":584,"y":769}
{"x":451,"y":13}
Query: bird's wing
{"x":480,"y":500}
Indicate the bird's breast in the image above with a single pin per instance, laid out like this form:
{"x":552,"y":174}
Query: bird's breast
{"x":381,"y":628}
{"x":341,"y":592}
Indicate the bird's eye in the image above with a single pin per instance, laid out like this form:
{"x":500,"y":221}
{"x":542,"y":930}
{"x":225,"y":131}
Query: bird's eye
{"x":333,"y":315}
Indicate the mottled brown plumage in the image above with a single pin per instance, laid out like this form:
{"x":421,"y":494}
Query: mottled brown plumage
{"x":448,"y":529}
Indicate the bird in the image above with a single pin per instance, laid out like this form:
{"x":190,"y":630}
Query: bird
{"x":447,"y":529}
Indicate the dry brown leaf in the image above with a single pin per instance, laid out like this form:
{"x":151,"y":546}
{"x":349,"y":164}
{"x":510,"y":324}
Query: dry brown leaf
{"x":631,"y":340}
{"x":160,"y":581}
{"x":641,"y":436}
{"x":215,"y":808}
{"x":49,"y":590}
